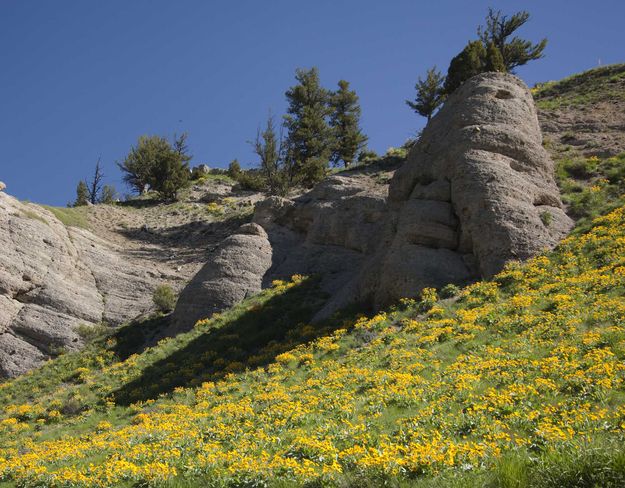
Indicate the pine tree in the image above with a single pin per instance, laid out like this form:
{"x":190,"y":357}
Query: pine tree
{"x":169,"y":175}
{"x":493,"y":51}
{"x":494,"y":59}
{"x":468,"y":63}
{"x":430,"y":93}
{"x":108,"y":195}
{"x":517,"y":51}
{"x":181,"y":148}
{"x":345,"y":124}
{"x":268,"y":147}
{"x":95,"y":185}
{"x":308,"y":137}
{"x":82,"y":194}
{"x":234,"y":169}
{"x":156,"y":164}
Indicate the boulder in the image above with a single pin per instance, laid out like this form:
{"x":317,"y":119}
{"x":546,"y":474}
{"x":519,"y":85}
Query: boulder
{"x":486,"y":142}
{"x":2,"y":186}
{"x":234,"y":271}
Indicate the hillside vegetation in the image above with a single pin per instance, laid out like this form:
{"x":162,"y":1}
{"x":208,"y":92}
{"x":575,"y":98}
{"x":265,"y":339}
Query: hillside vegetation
{"x":516,"y":382}
{"x":596,"y":85}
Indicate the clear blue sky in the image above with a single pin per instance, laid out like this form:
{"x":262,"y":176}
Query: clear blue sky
{"x":82,"y":79}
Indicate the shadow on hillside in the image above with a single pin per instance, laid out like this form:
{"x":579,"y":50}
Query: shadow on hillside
{"x":184,"y":241}
{"x":138,"y":335}
{"x":142,"y":202}
{"x":248,"y":336}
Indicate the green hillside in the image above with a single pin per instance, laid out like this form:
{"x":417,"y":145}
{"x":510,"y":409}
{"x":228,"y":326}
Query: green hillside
{"x":514,"y":373}
{"x":605,"y":83}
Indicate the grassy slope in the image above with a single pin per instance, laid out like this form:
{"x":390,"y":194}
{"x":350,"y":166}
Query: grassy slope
{"x":595,"y":85}
{"x":590,"y":186}
{"x":491,"y":387}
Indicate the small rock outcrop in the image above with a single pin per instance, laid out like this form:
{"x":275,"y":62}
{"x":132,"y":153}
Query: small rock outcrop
{"x":476,"y":191}
{"x":234,"y":271}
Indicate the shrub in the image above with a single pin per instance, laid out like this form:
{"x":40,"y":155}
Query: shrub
{"x":164,"y":298}
{"x":546,"y":218}
{"x":449,"y":291}
{"x":158,"y":165}
{"x":367,"y":155}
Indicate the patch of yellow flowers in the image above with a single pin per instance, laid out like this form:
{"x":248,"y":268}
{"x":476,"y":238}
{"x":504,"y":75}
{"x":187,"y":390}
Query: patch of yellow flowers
{"x":531,"y":359}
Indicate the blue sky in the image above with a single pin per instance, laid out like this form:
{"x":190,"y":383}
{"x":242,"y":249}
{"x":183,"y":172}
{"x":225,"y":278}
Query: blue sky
{"x":82,"y":79}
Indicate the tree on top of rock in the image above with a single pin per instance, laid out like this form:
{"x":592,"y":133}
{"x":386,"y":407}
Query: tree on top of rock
{"x":430,"y":93}
{"x":308,"y":139}
{"x":268,"y":147}
{"x":470,"y":62}
{"x":345,"y":122}
{"x":494,"y":51}
{"x":516,"y":51}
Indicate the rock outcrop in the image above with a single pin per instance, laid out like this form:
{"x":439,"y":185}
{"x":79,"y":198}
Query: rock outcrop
{"x":54,"y":279}
{"x":234,"y":271}
{"x":57,"y":279}
{"x":476,"y":191}
{"x":478,"y":184}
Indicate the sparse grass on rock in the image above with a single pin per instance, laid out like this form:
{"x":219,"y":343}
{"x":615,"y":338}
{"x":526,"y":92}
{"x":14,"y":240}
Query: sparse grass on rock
{"x":71,"y":216}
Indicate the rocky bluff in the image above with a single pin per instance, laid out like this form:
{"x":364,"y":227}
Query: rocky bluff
{"x":476,"y":191}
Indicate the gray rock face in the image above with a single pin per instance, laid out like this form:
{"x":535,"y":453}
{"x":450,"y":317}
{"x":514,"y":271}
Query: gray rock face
{"x":234,"y":272}
{"x":54,"y":279}
{"x":486,"y":145}
{"x":473,"y":194}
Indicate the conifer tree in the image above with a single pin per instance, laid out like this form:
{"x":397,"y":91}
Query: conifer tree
{"x":268,"y":147}
{"x":95,"y":185}
{"x":494,"y":51}
{"x":430,"y":93}
{"x":308,"y":137}
{"x":468,"y":63}
{"x":156,"y":164}
{"x":108,"y":195}
{"x":345,"y":124}
{"x":514,"y":52}
{"x":234,"y":169}
{"x":494,"y":59}
{"x":82,"y":194}
{"x":169,"y":174}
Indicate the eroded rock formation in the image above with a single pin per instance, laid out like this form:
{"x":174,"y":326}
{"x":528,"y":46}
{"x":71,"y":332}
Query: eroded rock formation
{"x":476,"y":191}
{"x":53,"y":279}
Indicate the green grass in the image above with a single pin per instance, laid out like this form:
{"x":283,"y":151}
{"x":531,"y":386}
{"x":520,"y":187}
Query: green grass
{"x":591,"y":186}
{"x":595,"y":85}
{"x":35,"y":216}
{"x":71,"y":216}
{"x":214,"y":177}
